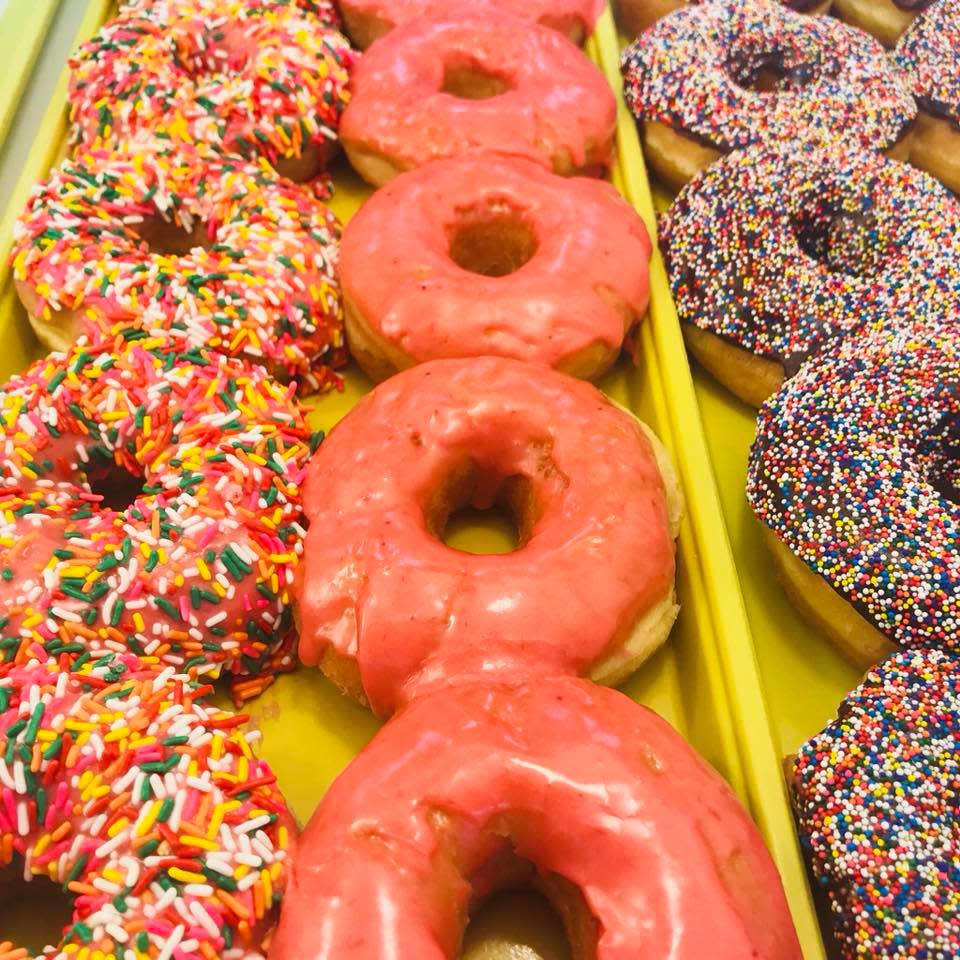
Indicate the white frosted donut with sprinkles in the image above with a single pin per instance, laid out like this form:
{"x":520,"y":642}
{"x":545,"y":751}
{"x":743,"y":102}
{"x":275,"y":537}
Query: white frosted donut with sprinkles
{"x":262,"y":79}
{"x":216,"y":250}
{"x":146,"y":804}
{"x":190,"y":558}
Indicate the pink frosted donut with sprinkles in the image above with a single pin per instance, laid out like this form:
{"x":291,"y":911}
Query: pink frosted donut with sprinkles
{"x":150,"y":502}
{"x":875,"y":795}
{"x":774,"y":253}
{"x":261,"y":79}
{"x":147,"y":805}
{"x":216,"y":250}
{"x":929,"y":56}
{"x":856,"y":472}
{"x":719,"y":76}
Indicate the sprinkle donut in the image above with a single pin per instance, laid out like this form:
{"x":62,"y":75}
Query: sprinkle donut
{"x":388,"y":610}
{"x":720,"y":76}
{"x":488,"y":254}
{"x":146,"y":804}
{"x":929,"y":56}
{"x":216,"y":250}
{"x":255,"y":79}
{"x":368,"y":20}
{"x":195,"y":571}
{"x":773,"y":253}
{"x":855,"y":472}
{"x":643,"y":850}
{"x":876,"y":796}
{"x":439,"y":87}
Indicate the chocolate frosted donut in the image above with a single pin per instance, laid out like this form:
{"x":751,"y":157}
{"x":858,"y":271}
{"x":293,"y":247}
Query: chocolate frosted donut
{"x":726,"y":74}
{"x":929,"y":55}
{"x":772,"y":253}
{"x":856,"y":471}
{"x":885,"y":19}
{"x":876,"y":796}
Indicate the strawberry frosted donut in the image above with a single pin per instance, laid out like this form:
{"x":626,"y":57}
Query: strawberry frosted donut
{"x":496,"y":256}
{"x":150,"y":502}
{"x":387,"y":609}
{"x":643,"y":850}
{"x":146,"y":805}
{"x":437,"y":88}
{"x":368,"y":20}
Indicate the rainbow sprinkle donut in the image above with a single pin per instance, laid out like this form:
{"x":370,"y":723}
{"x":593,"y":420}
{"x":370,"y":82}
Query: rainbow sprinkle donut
{"x":148,"y":806}
{"x":719,"y":76}
{"x":772,"y":253}
{"x":856,"y":471}
{"x":256,"y":79}
{"x":217,"y":250}
{"x":202,"y":459}
{"x":876,"y":795}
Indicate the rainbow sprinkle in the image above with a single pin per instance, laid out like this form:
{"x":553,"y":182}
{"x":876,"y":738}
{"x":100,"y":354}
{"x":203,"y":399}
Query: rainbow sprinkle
{"x":876,"y":795}
{"x":929,"y":55}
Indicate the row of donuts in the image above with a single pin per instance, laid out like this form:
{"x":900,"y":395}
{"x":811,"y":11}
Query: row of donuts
{"x":151,"y":506}
{"x":834,"y":268}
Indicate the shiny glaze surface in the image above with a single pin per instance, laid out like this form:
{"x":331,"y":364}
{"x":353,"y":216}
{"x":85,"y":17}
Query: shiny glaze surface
{"x":587,"y":276}
{"x":557,"y":107}
{"x":379,"y":587}
{"x":573,"y":778}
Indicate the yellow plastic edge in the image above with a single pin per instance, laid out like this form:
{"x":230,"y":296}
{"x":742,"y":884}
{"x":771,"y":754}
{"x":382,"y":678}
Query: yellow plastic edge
{"x":765,"y":789}
{"x":23,"y":29}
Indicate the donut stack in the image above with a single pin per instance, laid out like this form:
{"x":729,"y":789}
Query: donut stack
{"x":818,"y":279}
{"x":151,"y":469}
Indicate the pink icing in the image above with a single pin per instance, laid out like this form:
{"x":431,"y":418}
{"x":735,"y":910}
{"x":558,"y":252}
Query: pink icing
{"x":576,"y":779}
{"x":558,"y":103}
{"x":587,"y":276}
{"x":377,"y":586}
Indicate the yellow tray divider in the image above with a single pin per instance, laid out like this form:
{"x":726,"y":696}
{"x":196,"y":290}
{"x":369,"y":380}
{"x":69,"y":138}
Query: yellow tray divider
{"x":765,"y":790}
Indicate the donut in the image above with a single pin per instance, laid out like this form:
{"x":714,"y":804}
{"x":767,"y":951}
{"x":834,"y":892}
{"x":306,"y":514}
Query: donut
{"x":368,"y":20}
{"x":150,"y":502}
{"x":488,"y":254}
{"x":255,"y":79}
{"x":557,"y":783}
{"x":219,"y":251}
{"x":885,"y":19}
{"x":146,"y":804}
{"x":854,"y":473}
{"x":388,"y":610}
{"x":440,"y":87}
{"x":773,"y":253}
{"x":634,"y":16}
{"x":875,"y":794}
{"x":929,"y":56}
{"x":722,"y":75}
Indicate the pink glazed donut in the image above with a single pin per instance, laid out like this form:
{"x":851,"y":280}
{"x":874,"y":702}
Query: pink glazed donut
{"x":495,"y":256}
{"x":574,"y":789}
{"x":440,"y":87}
{"x":388,"y":610}
{"x":368,"y":20}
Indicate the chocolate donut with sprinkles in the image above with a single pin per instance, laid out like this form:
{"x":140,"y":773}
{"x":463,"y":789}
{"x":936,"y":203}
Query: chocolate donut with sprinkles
{"x":929,"y":56}
{"x":146,"y":804}
{"x":774,"y":252}
{"x":217,"y":250}
{"x":201,"y":459}
{"x":875,"y":796}
{"x":259,"y":79}
{"x":856,"y":472}
{"x":720,"y":76}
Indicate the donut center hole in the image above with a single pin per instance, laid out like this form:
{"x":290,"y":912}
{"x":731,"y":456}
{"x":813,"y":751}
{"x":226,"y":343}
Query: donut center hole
{"x":117,"y":488}
{"x":847,"y":242}
{"x":467,"y":79}
{"x":168,"y":239}
{"x":523,"y":919}
{"x":33,"y":913}
{"x":220,"y":51}
{"x":943,"y":457}
{"x":492,"y":242}
{"x":769,"y":71}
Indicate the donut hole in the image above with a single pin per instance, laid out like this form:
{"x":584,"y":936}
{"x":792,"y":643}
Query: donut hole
{"x":494,"y":241}
{"x":467,"y":79}
{"x":220,"y":51}
{"x":33,"y":913}
{"x":843,"y":241}
{"x":117,"y":488}
{"x":769,"y":71}
{"x":524,"y":919}
{"x":168,"y":239}
{"x":942,"y":457}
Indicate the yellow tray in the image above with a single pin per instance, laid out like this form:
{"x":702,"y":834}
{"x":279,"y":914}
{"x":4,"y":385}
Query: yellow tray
{"x":705,"y":681}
